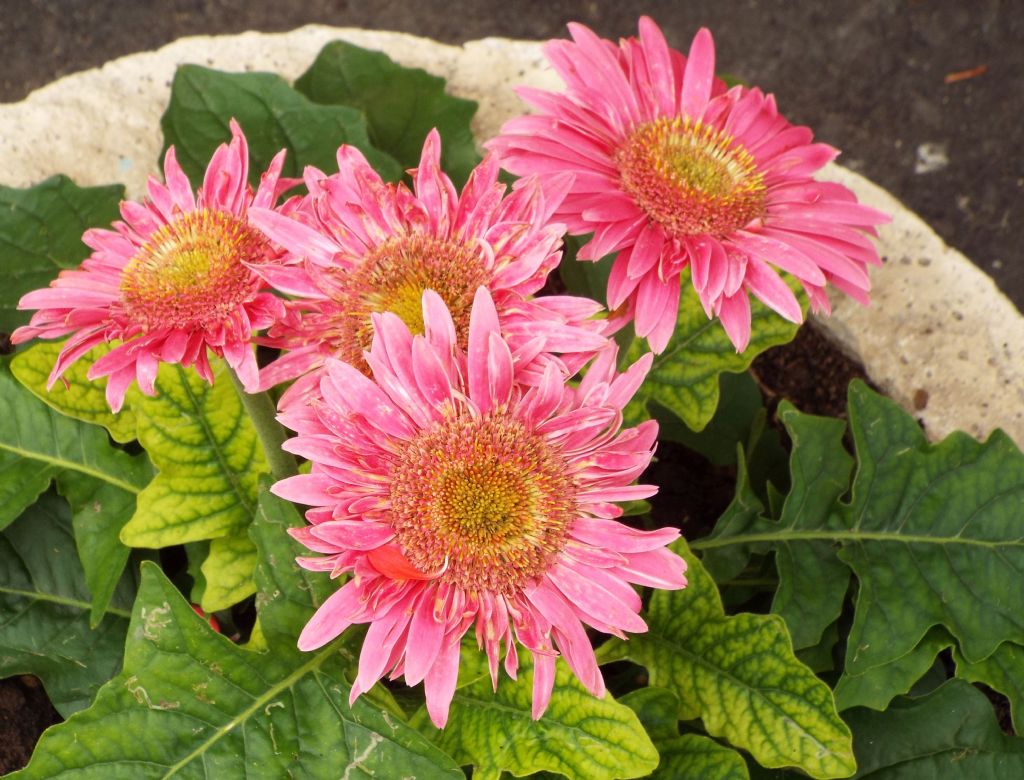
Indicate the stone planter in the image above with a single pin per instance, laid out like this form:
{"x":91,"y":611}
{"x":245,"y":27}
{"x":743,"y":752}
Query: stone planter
{"x":939,"y":337}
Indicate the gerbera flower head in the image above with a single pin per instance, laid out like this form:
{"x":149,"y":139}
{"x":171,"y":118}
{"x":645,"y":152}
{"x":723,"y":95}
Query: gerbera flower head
{"x":672,"y":169}
{"x":362,"y":246}
{"x":457,"y":498}
{"x":170,"y":281}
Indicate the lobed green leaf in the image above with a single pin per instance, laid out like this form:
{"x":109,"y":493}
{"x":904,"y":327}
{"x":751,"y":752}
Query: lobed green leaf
{"x":931,"y":531}
{"x":880,"y":685}
{"x":1002,"y":671}
{"x":401,"y":105}
{"x":273,"y":116}
{"x":950,"y":734}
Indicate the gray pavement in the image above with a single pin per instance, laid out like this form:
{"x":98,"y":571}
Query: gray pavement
{"x":925,"y":97}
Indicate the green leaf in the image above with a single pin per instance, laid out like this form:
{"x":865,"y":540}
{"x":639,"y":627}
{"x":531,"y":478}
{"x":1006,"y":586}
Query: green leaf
{"x":191,"y":703}
{"x":101,"y":509}
{"x":100,"y":512}
{"x":273,"y":116}
{"x":401,"y":105}
{"x":684,"y":378}
{"x":287,"y":595}
{"x":21,"y":483}
{"x":934,"y":536}
{"x":45,"y":606}
{"x":101,"y":482}
{"x":41,"y":233}
{"x":579,"y":735}
{"x":690,"y":755}
{"x":697,"y":756}
{"x":209,"y":460}
{"x":931,"y":531}
{"x":732,"y":423}
{"x":585,"y":277}
{"x":36,"y":433}
{"x":1002,"y":671}
{"x":949,"y":734}
{"x":726,"y":561}
{"x":821,"y":656}
{"x":879,"y":685}
{"x":658,"y":710}
{"x":196,"y":553}
{"x":812,"y":583}
{"x":74,"y":395}
{"x":227,"y":571}
{"x":739,"y":675}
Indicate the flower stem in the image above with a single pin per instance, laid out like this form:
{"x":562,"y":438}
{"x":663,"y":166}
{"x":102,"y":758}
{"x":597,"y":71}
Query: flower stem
{"x":261,"y":410}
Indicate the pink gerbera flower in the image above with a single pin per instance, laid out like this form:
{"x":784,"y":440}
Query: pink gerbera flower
{"x":361,"y":246}
{"x":170,"y":282}
{"x":672,"y":170}
{"x":459,"y":500}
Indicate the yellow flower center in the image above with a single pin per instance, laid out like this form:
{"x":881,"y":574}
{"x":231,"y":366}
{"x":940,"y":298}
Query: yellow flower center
{"x":191,"y":272}
{"x":691,"y":178}
{"x":393,"y":278}
{"x":486,"y":500}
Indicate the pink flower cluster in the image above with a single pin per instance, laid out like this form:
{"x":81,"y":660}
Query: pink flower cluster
{"x":464,"y":429}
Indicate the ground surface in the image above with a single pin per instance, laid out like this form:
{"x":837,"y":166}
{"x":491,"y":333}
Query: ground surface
{"x":868,"y":75}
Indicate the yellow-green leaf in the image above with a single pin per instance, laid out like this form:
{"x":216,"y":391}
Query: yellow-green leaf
{"x":228,"y":571}
{"x":579,"y":736}
{"x":684,"y":378}
{"x":739,"y":675}
{"x":74,"y":395}
{"x":208,"y":456}
{"x":686,"y":756}
{"x":697,"y":756}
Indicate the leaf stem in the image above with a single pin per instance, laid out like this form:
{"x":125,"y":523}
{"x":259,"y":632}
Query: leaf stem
{"x":261,"y":410}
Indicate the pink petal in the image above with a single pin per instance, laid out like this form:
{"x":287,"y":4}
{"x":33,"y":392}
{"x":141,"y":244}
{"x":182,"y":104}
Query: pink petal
{"x":772,"y":291}
{"x":543,"y":682}
{"x":483,"y":321}
{"x":439,"y":684}
{"x":735,"y":316}
{"x":699,"y":75}
{"x":426,"y":634}
{"x":332,"y":618}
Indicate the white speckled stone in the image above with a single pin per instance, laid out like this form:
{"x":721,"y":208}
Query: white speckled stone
{"x":937,"y":323}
